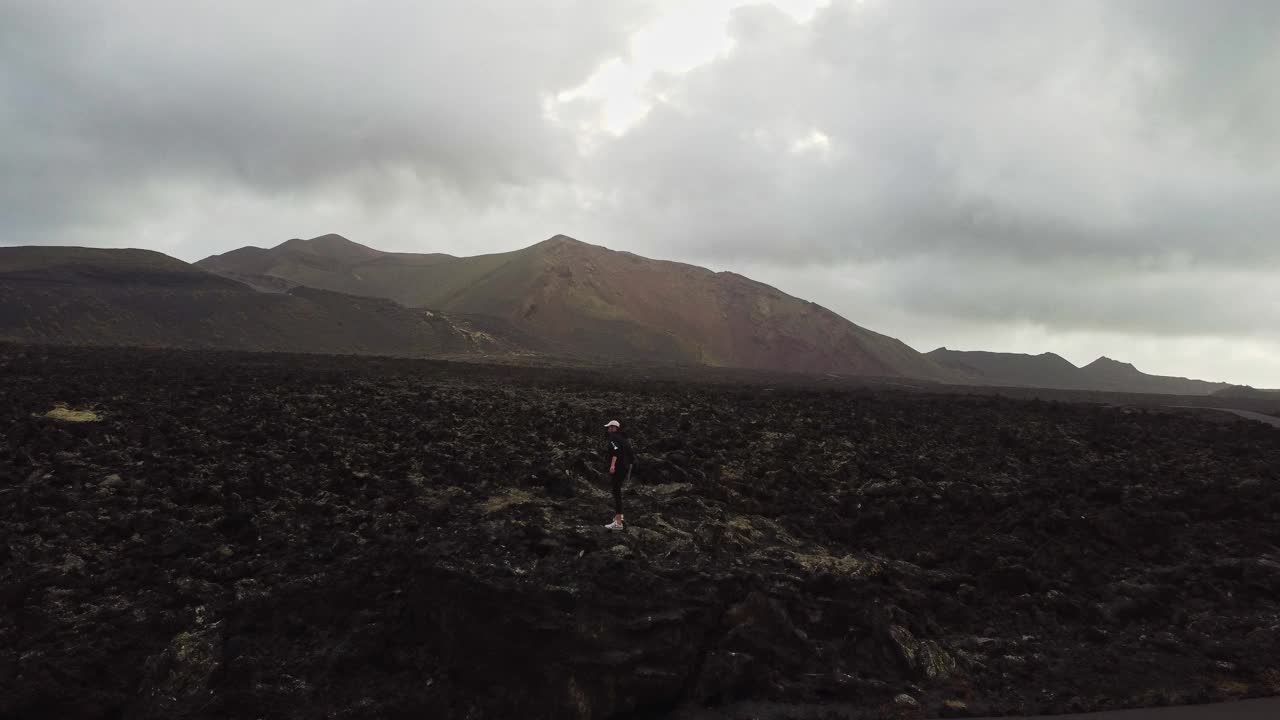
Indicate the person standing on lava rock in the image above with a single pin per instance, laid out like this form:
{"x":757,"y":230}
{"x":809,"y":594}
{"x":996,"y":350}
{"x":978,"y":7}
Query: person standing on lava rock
{"x":620,"y":461}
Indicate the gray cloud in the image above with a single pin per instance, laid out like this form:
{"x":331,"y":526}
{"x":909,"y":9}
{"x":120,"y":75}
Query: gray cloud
{"x":934,"y":170}
{"x":1085,"y":298}
{"x":1011,"y":129}
{"x":105,"y":101}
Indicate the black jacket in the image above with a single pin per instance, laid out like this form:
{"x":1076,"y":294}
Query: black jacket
{"x":619,"y":449}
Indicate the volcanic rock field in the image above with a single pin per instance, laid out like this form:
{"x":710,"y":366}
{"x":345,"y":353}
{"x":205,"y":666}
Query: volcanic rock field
{"x":208,"y":535}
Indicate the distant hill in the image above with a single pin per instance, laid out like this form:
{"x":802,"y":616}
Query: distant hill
{"x":1106,"y":373}
{"x":1011,"y":368}
{"x":1245,"y":391}
{"x":33,"y":266}
{"x":1048,"y":370}
{"x":91,"y":296}
{"x":596,"y":301}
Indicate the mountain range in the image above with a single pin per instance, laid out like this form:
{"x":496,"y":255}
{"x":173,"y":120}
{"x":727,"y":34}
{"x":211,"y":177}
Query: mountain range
{"x":1048,"y":370}
{"x":88,"y":296}
{"x":560,"y":298}
{"x":596,"y":302}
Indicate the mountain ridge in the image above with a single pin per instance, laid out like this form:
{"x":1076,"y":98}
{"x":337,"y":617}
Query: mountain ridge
{"x":560,"y":296}
{"x":600,"y":301}
{"x":1103,"y":374}
{"x":94,"y":296}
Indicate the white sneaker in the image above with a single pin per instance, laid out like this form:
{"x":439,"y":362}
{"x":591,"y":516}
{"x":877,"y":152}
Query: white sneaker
{"x":615,"y":525}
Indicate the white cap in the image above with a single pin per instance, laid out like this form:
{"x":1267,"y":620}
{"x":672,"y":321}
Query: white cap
{"x":613,"y":423}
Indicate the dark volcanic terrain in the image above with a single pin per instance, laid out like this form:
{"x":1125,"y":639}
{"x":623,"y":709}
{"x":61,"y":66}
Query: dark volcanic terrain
{"x":241,"y":535}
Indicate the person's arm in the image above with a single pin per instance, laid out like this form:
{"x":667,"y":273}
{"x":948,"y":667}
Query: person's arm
{"x":613,"y":457}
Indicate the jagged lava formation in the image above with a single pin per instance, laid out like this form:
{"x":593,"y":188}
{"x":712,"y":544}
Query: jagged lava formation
{"x":310,"y":536}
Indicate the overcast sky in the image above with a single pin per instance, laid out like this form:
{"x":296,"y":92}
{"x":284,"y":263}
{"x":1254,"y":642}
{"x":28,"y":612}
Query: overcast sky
{"x":1085,"y":177}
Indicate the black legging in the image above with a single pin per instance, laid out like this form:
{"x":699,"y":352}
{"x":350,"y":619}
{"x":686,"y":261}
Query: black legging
{"x":618,"y":476}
